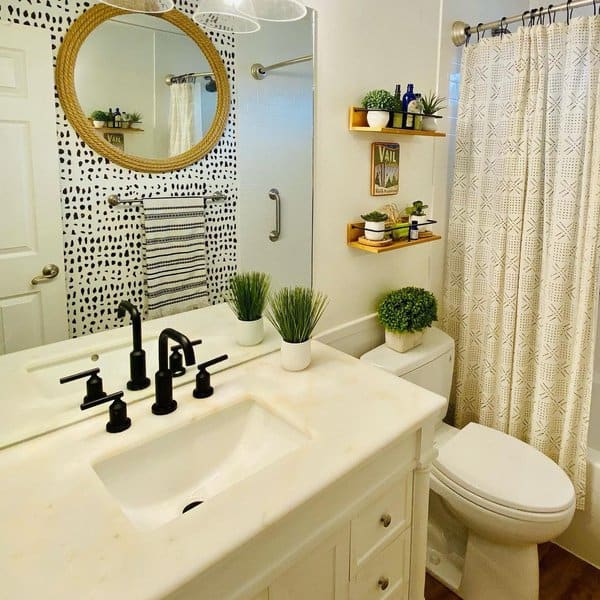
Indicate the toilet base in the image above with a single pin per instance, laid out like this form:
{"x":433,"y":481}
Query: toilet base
{"x":499,"y":571}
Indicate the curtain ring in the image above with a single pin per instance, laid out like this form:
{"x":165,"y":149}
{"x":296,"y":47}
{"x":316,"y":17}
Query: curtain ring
{"x":594,"y":7}
{"x":551,"y":20}
{"x":467,"y":39}
{"x":569,"y":11}
{"x":532,"y":17}
{"x":523,"y":17}
{"x":503,"y":27}
{"x":541,"y":16}
{"x":479,"y":34}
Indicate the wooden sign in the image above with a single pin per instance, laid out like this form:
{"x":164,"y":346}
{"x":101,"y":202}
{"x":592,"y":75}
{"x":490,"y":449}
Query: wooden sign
{"x":116,"y":139}
{"x":385,"y":168}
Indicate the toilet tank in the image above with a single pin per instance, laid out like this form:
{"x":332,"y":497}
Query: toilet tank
{"x":429,"y":365}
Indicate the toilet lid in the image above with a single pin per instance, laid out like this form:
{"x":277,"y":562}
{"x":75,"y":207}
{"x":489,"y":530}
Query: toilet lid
{"x":504,"y":470}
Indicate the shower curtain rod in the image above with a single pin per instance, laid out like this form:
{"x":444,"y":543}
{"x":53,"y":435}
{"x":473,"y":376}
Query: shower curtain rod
{"x":170,"y":78}
{"x":260,"y":71}
{"x":461,"y":30}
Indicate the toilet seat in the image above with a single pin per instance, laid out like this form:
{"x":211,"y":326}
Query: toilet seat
{"x":504,"y":475}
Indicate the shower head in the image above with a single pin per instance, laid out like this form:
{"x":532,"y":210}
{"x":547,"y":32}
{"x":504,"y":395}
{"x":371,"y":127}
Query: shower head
{"x":211,"y":84}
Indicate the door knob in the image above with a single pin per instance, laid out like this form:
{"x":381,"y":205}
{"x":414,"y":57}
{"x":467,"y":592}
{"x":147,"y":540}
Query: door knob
{"x":48,"y":272}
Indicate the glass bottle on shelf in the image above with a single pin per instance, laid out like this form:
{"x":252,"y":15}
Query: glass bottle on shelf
{"x":419,"y":110}
{"x":397,"y":117}
{"x":408,"y":122}
{"x":110,"y":122}
{"x":118,"y":117}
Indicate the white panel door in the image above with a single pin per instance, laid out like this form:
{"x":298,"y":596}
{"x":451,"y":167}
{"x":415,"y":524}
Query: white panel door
{"x":30,"y":226}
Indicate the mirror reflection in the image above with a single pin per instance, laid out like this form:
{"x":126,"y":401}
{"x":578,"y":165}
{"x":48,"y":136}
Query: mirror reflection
{"x":146,"y":86}
{"x":86,"y":256}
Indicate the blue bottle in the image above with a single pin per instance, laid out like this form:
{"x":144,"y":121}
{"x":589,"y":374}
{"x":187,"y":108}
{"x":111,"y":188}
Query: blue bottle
{"x":408,"y":103}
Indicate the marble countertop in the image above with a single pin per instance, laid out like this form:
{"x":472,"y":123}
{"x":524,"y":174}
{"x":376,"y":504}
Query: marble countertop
{"x":65,"y":537}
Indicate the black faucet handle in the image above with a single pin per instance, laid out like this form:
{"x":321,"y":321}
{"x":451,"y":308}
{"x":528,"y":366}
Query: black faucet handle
{"x":118,"y":419}
{"x":203,"y":388}
{"x":177,"y":347}
{"x":94,"y":389}
{"x":212,"y":361}
{"x":69,"y":378}
{"x":176,"y":359}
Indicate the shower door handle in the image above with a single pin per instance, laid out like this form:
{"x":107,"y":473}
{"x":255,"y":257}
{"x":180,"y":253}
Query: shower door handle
{"x":274,"y":195}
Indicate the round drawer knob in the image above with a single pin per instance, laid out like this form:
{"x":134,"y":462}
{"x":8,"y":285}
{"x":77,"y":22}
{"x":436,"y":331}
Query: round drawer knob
{"x":383,"y":583}
{"x":385,"y":520}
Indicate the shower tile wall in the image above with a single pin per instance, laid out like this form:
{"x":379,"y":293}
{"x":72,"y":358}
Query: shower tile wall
{"x":103,"y":246}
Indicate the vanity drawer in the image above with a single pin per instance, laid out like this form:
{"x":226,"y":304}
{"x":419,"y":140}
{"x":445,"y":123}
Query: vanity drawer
{"x":380,"y":522}
{"x":385,"y":575}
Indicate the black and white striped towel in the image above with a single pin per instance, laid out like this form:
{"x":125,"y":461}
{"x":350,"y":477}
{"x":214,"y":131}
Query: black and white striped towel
{"x":175,"y":239}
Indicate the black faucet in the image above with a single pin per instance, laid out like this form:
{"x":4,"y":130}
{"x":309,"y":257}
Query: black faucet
{"x":164,"y":378}
{"x":137,"y":357}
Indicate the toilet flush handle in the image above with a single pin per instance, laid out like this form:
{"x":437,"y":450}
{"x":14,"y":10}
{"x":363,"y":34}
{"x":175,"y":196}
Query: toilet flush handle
{"x":385,"y":520}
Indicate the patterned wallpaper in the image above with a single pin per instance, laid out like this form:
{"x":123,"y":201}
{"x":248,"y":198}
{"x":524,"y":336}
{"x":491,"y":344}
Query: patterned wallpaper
{"x":103,"y":246}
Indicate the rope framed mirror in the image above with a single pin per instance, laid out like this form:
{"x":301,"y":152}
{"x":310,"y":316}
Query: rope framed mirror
{"x":65,"y":76}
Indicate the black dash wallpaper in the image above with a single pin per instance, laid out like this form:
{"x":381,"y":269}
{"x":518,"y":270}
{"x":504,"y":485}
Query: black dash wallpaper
{"x":103,"y":246}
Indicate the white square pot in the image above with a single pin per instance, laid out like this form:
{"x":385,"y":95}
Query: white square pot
{"x":402,"y":342}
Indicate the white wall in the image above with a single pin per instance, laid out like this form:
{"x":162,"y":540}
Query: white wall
{"x":360,"y":46}
{"x":274,"y":143}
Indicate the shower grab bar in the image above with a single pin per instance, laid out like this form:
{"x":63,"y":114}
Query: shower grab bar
{"x":116,"y":200}
{"x":259,"y":71}
{"x":274,"y":195}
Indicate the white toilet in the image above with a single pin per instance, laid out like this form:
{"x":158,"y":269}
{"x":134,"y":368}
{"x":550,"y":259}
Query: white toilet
{"x":494,"y":498}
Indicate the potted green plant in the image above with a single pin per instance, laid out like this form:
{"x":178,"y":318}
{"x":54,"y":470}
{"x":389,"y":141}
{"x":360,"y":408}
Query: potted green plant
{"x":378,"y":103}
{"x":295,"y":313}
{"x":247,"y":298}
{"x":134,"y":117}
{"x":374,"y":225}
{"x":99,"y":118}
{"x":431,"y":105}
{"x":405,"y":314}
{"x":416,"y":212}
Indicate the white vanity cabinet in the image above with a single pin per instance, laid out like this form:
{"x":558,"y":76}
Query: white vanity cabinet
{"x":366,"y":539}
{"x":367,"y":558}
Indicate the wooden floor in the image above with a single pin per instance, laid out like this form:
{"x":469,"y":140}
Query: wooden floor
{"x":562,"y":577}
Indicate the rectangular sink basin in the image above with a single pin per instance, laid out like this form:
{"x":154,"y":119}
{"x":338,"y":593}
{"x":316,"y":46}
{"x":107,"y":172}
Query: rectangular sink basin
{"x":154,"y":483}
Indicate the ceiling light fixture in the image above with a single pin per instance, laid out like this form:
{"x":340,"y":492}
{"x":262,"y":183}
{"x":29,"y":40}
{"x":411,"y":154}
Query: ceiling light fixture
{"x":222,"y":15}
{"x":272,"y":10}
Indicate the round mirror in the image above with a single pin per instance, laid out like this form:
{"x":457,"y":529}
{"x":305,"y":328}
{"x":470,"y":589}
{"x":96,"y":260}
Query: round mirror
{"x":157,"y":109}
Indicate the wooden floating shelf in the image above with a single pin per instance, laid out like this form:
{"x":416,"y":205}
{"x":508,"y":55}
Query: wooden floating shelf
{"x":118,"y":129}
{"x":352,"y":235}
{"x":358,"y":122}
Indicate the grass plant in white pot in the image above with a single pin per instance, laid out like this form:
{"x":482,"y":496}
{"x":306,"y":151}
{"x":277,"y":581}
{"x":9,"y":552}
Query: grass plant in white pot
{"x":248,"y":293}
{"x":432,"y":104}
{"x":405,"y":314}
{"x":295,"y":313}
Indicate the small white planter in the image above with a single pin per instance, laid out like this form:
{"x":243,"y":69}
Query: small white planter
{"x":99,"y":124}
{"x":429,"y":123}
{"x":249,"y":333}
{"x":295,"y":357}
{"x":374,"y":230}
{"x":378,"y":118}
{"x":402,"y":342}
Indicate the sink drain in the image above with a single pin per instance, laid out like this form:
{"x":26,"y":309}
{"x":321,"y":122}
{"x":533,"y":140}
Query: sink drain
{"x":192,"y":505}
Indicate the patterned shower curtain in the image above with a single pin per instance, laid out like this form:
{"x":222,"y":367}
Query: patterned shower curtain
{"x":523,"y":240}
